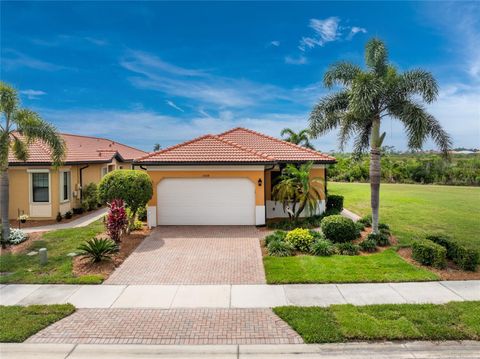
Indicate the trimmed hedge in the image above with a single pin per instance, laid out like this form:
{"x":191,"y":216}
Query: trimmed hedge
{"x":429,"y":253}
{"x":465,"y":257}
{"x":339,"y":229}
{"x":335,"y":202}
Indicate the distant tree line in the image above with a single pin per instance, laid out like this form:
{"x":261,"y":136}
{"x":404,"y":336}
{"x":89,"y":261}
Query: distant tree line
{"x":462,"y":170}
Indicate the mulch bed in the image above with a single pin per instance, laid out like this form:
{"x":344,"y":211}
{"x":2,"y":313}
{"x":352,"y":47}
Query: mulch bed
{"x":46,"y":222}
{"x":452,"y":272}
{"x":22,"y":247}
{"x":83,"y":266}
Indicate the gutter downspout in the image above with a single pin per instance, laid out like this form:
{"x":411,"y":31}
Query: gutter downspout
{"x":265,"y":190}
{"x":81,"y":182}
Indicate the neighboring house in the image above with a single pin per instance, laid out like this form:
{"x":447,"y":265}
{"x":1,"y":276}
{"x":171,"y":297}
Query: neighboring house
{"x":223,"y":179}
{"x":40,"y":191}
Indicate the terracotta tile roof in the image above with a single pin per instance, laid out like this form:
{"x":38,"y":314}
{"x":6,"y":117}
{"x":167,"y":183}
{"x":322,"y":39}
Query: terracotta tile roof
{"x":206,"y":149}
{"x":239,"y":145}
{"x":81,"y":149}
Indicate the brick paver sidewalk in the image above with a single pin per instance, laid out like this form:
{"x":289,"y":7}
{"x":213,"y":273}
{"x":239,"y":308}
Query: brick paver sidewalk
{"x":195,"y":255}
{"x":173,"y":326}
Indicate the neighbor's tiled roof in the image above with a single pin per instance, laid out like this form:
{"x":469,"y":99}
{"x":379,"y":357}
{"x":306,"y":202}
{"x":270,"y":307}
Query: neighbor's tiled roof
{"x":80,"y":149}
{"x":239,"y":145}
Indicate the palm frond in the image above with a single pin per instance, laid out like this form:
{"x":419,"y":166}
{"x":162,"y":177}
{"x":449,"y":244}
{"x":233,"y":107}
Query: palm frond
{"x":326,"y":115}
{"x":8,"y":99}
{"x":419,"y":82}
{"x":20,"y":149}
{"x":342,"y":73}
{"x":376,"y":56}
{"x":33,"y":127}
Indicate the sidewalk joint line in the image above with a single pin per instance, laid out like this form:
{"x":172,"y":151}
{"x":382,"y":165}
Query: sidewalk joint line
{"x":453,"y":291}
{"x":71,"y":351}
{"x":400,"y":294}
{"x":119,"y":295}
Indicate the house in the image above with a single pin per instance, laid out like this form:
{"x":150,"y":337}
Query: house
{"x":223,"y":179}
{"x":40,"y":191}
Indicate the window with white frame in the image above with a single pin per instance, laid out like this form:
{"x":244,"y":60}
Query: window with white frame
{"x":104,"y":171}
{"x":65,"y":185}
{"x":40,"y":187}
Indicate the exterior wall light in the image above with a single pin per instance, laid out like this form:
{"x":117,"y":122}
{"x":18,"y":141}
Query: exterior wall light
{"x":259,"y":182}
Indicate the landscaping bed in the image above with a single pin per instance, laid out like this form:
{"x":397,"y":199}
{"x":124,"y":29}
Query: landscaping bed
{"x":17,"y":323}
{"x":63,"y":266}
{"x":341,"y":323}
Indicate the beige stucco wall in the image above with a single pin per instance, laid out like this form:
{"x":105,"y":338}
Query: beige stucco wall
{"x":20,"y":187}
{"x":254,"y":176}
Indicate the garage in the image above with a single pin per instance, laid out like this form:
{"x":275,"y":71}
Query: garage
{"x":206,"y":201}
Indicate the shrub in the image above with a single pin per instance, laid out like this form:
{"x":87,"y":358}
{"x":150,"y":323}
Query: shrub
{"x":90,"y":197}
{"x":142,"y":213}
{"x":369,"y":245}
{"x":300,"y":239}
{"x":335,"y":201}
{"x":98,"y":249}
{"x":68,"y":215}
{"x":134,"y":187}
{"x":466,"y":258}
{"x":116,"y":219}
{"x":275,"y":236}
{"x":278,"y":248}
{"x":78,"y":210}
{"x":366,"y":220}
{"x":59,"y":217}
{"x":359,"y":226}
{"x":317,"y":235}
{"x":338,"y":229}
{"x":384,"y":226}
{"x":381,"y":239}
{"x":429,"y":253}
{"x":17,"y":236}
{"x":307,"y":222}
{"x":348,"y":248}
{"x":135,"y":225}
{"x":322,"y":247}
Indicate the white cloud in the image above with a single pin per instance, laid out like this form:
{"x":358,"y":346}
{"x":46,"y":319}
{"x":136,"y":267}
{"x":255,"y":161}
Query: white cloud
{"x":327,"y":30}
{"x":155,"y":74}
{"x":172,"y":104}
{"x":13,"y":59}
{"x":300,"y":60}
{"x":355,"y":30}
{"x":33,"y":94}
{"x":73,"y":40}
{"x":274,"y":43}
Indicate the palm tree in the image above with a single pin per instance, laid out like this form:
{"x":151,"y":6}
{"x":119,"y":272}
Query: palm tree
{"x":370,"y":95}
{"x":296,"y":188}
{"x":301,"y":138}
{"x":18,"y":128}
{"x":156,"y":147}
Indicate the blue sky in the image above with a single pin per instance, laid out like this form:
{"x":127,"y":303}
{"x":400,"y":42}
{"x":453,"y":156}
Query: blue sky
{"x":150,"y":72}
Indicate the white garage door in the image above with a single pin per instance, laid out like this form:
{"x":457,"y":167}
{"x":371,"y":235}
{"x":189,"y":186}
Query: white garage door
{"x":206,"y":201}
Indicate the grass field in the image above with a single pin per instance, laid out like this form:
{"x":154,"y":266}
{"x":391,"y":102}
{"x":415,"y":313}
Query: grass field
{"x":17,"y":323}
{"x":27,"y":269}
{"x":413,"y":210}
{"x":379,"y":267}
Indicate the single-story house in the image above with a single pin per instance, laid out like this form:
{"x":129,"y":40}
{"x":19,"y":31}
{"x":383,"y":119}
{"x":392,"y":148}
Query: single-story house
{"x":41,"y":192}
{"x":223,"y":179}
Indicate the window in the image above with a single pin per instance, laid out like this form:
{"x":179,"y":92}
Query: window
{"x":40,"y":190}
{"x":65,"y":180}
{"x":104,"y":171}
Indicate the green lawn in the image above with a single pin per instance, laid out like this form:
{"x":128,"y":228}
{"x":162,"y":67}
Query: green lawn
{"x":340,"y":323}
{"x":387,"y":266}
{"x":413,"y":210}
{"x":27,"y":269}
{"x":18,"y":323}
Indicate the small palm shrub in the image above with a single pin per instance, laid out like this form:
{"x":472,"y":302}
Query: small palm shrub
{"x":300,"y":239}
{"x":117,"y":220}
{"x":98,"y":249}
{"x":339,"y":229}
{"x":381,"y":239}
{"x":348,"y":248}
{"x":275,"y":236}
{"x":323,"y":247}
{"x":369,"y":245}
{"x":366,"y":221}
{"x":277,"y":248}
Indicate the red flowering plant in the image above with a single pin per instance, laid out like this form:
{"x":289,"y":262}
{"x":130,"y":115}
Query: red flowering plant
{"x":117,"y":219}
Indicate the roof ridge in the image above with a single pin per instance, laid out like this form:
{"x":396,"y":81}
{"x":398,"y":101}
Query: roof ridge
{"x":244,"y":148}
{"x":163,"y":150}
{"x":101,"y":138}
{"x":275,"y":139}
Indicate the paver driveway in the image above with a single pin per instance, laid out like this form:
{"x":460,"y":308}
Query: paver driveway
{"x":195,"y":255}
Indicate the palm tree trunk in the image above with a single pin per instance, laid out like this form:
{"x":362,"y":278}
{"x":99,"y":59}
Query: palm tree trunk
{"x":4,"y":200}
{"x":375,"y":174}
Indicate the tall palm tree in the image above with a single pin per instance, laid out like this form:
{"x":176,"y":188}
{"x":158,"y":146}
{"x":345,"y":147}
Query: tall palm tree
{"x":18,"y":128}
{"x":301,"y":138}
{"x":366,"y":98}
{"x":297,"y":191}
